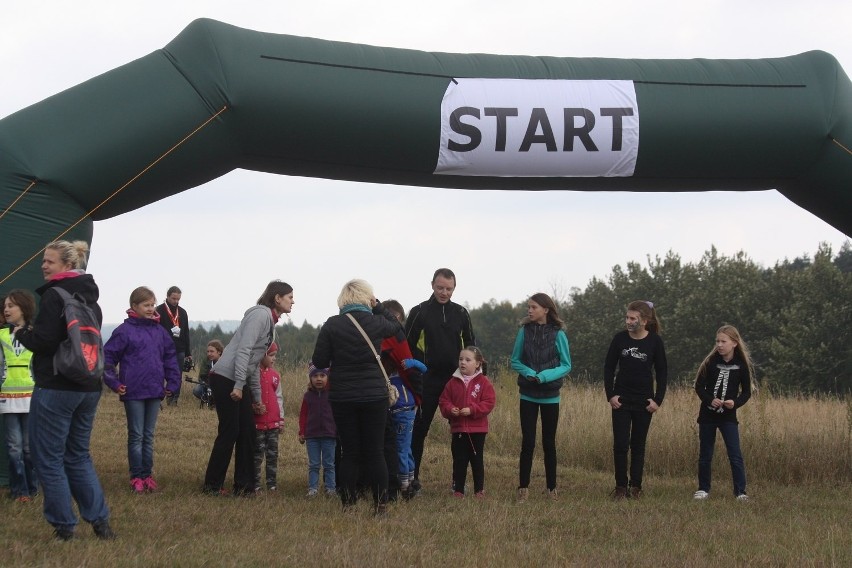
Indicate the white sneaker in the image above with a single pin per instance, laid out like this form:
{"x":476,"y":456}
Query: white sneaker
{"x":701,"y":495}
{"x":312,"y":493}
{"x":742,"y":497}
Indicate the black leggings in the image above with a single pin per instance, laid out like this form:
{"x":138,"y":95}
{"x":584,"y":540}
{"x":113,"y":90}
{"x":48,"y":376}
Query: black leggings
{"x":529,"y":420}
{"x":468,"y":449}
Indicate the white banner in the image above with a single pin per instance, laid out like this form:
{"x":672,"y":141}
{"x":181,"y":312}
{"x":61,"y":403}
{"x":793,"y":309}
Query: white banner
{"x":539,"y":128}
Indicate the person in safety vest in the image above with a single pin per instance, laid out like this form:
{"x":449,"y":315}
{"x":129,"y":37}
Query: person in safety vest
{"x":16,"y":391}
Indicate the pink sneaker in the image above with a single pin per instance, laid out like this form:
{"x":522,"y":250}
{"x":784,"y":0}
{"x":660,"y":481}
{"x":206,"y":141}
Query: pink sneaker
{"x":137,"y":485}
{"x":150,"y":484}
{"x":458,"y":494}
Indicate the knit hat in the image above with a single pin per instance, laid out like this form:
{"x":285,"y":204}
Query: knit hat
{"x":314,"y":370}
{"x":273,"y":349}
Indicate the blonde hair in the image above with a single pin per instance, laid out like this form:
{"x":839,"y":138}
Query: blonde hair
{"x":355,"y":292}
{"x":74,"y":253}
{"x":740,"y":351}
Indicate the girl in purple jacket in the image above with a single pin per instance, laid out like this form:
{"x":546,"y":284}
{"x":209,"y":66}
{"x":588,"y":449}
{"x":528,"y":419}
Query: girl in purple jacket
{"x":147,"y":372}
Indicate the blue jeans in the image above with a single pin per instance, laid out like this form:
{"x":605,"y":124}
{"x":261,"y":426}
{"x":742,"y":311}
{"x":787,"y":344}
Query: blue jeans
{"x":321,"y":450}
{"x":60,"y":428}
{"x":141,"y":422}
{"x":22,"y":477}
{"x":707,"y":440}
{"x":403,"y":423}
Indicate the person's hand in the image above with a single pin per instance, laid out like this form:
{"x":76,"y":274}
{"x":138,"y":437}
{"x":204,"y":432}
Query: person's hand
{"x":532,"y":379}
{"x":464,"y":411}
{"x":301,"y":439}
{"x":729,"y":404}
{"x":454,"y":411}
{"x":122,"y":390}
{"x":652,"y":406}
{"x":615,"y":402}
{"x":168,"y":393}
{"x":716,"y":403}
{"x":259,"y":408}
{"x":236,"y":395}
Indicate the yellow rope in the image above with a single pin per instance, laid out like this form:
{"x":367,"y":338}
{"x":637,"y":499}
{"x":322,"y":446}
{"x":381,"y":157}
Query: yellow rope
{"x":848,"y":151}
{"x":116,"y":192}
{"x":23,"y":193}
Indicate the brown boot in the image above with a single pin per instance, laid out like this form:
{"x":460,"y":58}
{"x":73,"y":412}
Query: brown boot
{"x":619,"y":493}
{"x":635,"y":492}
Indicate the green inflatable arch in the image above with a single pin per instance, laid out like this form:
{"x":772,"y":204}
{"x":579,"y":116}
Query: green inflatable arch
{"x":218,"y":98}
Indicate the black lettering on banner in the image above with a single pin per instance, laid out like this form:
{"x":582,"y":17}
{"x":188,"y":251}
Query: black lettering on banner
{"x":617,"y":124}
{"x":581,"y":132}
{"x":464,"y":129}
{"x":539,"y":117}
{"x":501,"y":113}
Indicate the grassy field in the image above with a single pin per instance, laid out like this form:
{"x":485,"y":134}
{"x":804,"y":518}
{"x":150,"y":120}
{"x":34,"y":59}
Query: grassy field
{"x":798,"y":454}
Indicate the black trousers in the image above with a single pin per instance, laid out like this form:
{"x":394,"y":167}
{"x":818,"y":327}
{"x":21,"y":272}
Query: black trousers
{"x":529,"y":420}
{"x":433,"y":386}
{"x":468,"y":449}
{"x":236,"y":435}
{"x":629,"y":429}
{"x":361,"y":433}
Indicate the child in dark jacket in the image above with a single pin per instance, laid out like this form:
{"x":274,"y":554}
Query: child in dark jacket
{"x":147,"y":373}
{"x":268,"y":425}
{"x":318,"y":432}
{"x":466,"y":402}
{"x":724,"y":384}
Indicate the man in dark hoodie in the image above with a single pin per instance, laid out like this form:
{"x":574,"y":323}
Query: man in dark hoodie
{"x":62,"y":412}
{"x":436,"y":330}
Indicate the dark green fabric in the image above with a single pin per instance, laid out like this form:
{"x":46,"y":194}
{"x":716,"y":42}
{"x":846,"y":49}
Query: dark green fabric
{"x":309,"y":107}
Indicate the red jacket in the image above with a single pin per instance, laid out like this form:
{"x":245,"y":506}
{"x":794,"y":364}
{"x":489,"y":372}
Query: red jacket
{"x":478,"y":395}
{"x":399,"y":351}
{"x":270,"y":393}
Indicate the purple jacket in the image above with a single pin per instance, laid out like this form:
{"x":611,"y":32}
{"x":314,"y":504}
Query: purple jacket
{"x":315,"y":416}
{"x":146,"y":357}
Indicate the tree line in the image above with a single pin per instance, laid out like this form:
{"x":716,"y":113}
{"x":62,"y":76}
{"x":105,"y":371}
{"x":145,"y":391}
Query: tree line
{"x":795,"y":316}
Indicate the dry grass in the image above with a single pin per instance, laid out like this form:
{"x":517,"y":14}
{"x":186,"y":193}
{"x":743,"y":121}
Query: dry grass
{"x":797,"y":454}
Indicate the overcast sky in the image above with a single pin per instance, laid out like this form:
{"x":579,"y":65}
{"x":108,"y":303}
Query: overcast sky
{"x":317,"y":234}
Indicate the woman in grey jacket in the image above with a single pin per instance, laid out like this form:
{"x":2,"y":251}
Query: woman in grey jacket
{"x":235,"y":405}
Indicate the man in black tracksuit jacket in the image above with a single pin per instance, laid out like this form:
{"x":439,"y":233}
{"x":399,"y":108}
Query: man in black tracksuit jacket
{"x":436,"y":330}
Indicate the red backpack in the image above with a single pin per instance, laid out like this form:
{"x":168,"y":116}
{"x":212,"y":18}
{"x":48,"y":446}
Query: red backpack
{"x":80,"y":357}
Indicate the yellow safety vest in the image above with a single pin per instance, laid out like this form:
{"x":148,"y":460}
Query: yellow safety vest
{"x":18,"y":371}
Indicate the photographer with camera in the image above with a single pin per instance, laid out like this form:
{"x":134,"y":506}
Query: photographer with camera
{"x":175,"y":320}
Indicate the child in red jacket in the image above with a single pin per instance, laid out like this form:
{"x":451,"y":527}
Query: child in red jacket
{"x":268,"y":425}
{"x":466,"y":402}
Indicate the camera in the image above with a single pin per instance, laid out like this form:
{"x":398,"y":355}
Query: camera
{"x":188,"y":364}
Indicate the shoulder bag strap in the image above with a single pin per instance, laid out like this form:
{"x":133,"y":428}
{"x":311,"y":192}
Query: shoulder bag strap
{"x":370,"y":343}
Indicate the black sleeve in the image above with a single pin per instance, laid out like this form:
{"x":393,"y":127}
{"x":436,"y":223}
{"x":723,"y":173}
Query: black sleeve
{"x":661,"y":371}
{"x":48,"y":330}
{"x":610,"y":364}
{"x":468,"y":338}
{"x":413,"y":329}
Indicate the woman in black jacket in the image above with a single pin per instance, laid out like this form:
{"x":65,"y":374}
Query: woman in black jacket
{"x":358,"y":395}
{"x":62,"y":411}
